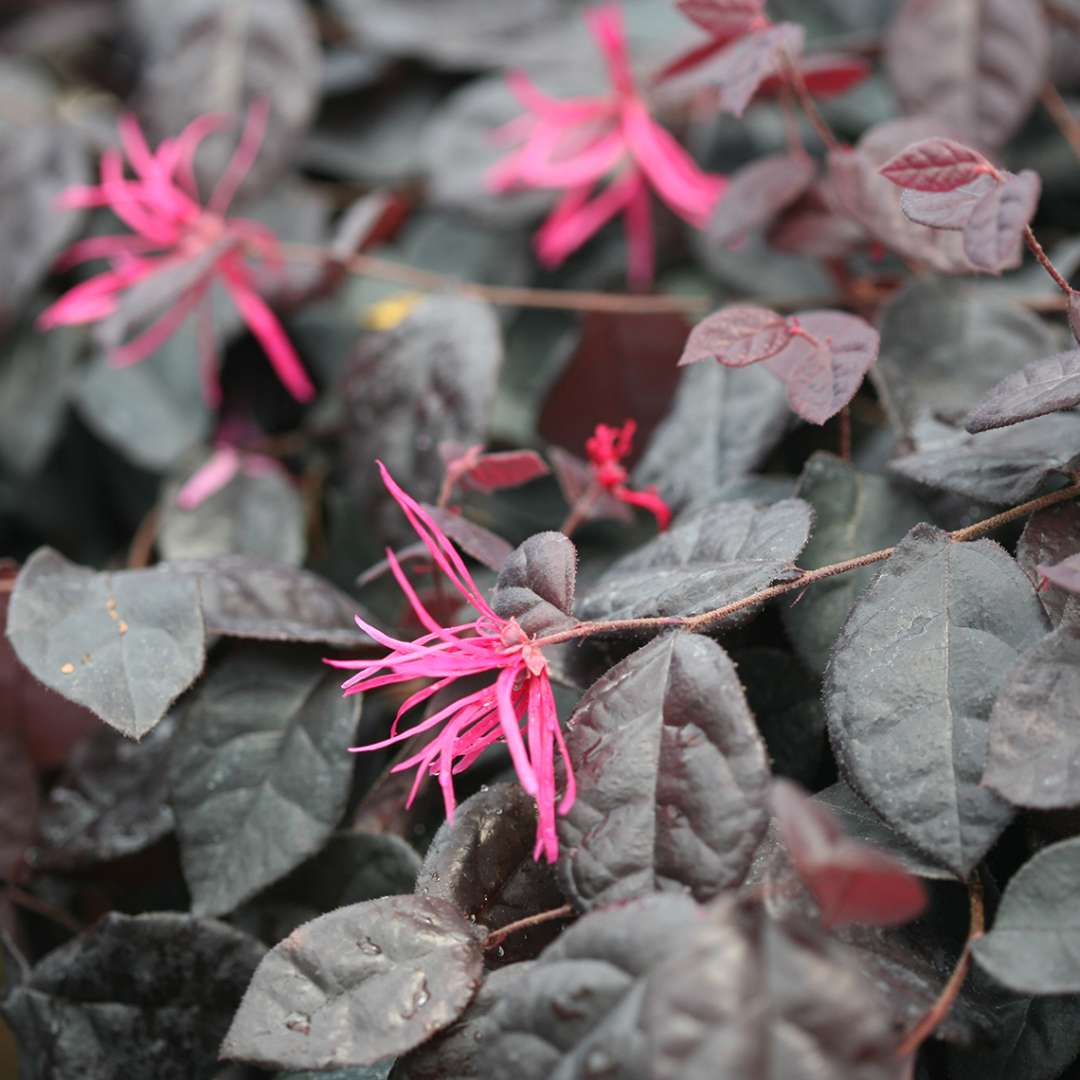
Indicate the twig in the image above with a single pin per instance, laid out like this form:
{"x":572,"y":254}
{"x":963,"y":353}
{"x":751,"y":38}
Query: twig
{"x":1062,"y":116}
{"x":22,"y":898}
{"x":507,"y":295}
{"x":142,"y":543}
{"x":1063,"y":15}
{"x":845,"y":433}
{"x":498,"y":936}
{"x":710,"y":619}
{"x":951,"y":990}
{"x":1044,"y":261}
{"x":796,"y":81}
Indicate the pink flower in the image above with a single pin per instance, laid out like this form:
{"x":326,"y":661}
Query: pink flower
{"x":228,"y":458}
{"x":517,"y":709}
{"x":606,"y":448}
{"x":574,"y":144}
{"x":172,"y":230}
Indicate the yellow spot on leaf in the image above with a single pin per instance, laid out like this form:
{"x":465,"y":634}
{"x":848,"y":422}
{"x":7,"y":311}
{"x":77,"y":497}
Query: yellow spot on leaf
{"x":123,"y":628}
{"x":387,"y":314}
{"x":68,"y":669}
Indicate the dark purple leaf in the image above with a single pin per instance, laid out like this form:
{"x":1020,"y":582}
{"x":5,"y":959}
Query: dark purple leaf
{"x":1034,"y":945}
{"x":220,"y":56}
{"x":134,"y":996}
{"x":123,"y":644}
{"x":111,"y":802}
{"x":854,"y":513}
{"x":1034,"y":754}
{"x":861,"y":823}
{"x":259,"y":770}
{"x":737,"y":336}
{"x":429,"y":380}
{"x":482,"y":863}
{"x":757,"y":193}
{"x":945,"y":209}
{"x":536,"y":584}
{"x":994,"y":234}
{"x":997,"y":467}
{"x":577,"y":1009}
{"x":723,"y":18}
{"x":1050,"y":539}
{"x":978,"y":64}
{"x":824,"y":362}
{"x":851,"y":882}
{"x":911,"y":683}
{"x":154,"y":413}
{"x":747,"y":995}
{"x":722,"y":553}
{"x":20,"y":802}
{"x":786,"y":705}
{"x":482,"y":544}
{"x":944,"y":345}
{"x":504,"y":469}
{"x":262,"y":600}
{"x":723,"y":423}
{"x":672,"y":778}
{"x":935,"y":164}
{"x":357,"y":985}
{"x":352,"y":867}
{"x":1041,"y":387}
{"x":257,"y":514}
{"x":454,"y":34}
{"x":742,"y":67}
{"x":858,"y":190}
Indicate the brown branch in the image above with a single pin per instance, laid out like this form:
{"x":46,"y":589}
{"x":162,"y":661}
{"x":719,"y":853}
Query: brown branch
{"x":710,"y":619}
{"x":29,"y":902}
{"x":818,"y":122}
{"x":951,"y":990}
{"x":496,"y":937}
{"x":506,"y":295}
{"x":142,"y":544}
{"x":1062,"y":116}
{"x":1044,"y":261}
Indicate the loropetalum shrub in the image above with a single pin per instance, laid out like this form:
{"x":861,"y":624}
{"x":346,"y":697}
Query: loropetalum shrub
{"x":663,"y":481}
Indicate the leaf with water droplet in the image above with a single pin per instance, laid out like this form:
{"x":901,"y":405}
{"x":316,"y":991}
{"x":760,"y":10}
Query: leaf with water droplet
{"x":374,"y":979}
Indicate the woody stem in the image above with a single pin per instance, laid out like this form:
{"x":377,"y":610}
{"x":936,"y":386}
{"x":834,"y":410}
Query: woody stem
{"x":710,"y":619}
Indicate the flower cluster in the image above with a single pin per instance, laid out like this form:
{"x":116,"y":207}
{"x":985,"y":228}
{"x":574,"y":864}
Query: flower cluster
{"x":575,"y":144}
{"x":173,"y":232}
{"x":607,"y":447}
{"x":517,"y":709}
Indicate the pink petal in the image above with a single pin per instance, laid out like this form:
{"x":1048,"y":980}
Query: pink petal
{"x":242,"y":160}
{"x":126,"y":202}
{"x":606,"y":25}
{"x":442,"y":550}
{"x":511,"y":729}
{"x":584,"y":168}
{"x":103,"y":247}
{"x":566,"y":111}
{"x":264,"y":325}
{"x":209,"y":479}
{"x":568,"y":227}
{"x":647,"y":500}
{"x":637,"y":222}
{"x":690,"y":192}
{"x":149,"y":341}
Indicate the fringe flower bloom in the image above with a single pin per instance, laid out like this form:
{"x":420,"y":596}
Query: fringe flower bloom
{"x":517,"y":709}
{"x":606,"y":447}
{"x":574,"y":144}
{"x":173,"y":232}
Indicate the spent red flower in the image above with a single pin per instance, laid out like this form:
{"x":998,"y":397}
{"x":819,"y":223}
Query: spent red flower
{"x":517,"y":709}
{"x":604,"y":153}
{"x":607,"y":447}
{"x":173,"y":230}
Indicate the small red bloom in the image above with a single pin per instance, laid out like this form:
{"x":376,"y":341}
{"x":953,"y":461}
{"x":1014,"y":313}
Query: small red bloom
{"x":575,"y":144}
{"x":518,"y":703}
{"x":606,"y":448}
{"x":171,"y":230}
